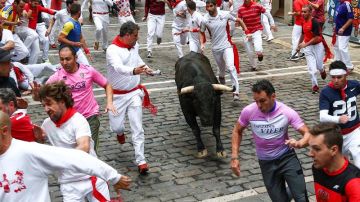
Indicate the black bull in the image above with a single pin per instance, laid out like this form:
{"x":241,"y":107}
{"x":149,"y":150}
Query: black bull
{"x":199,"y":95}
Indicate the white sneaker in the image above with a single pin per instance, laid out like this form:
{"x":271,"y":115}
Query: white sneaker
{"x":236,"y":97}
{"x":270,"y":38}
{"x":149,"y":55}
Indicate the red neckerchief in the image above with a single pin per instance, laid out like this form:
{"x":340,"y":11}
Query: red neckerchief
{"x":342,"y":91}
{"x":67,"y":115}
{"x":174,"y":3}
{"x":117,"y":41}
{"x":19,"y":74}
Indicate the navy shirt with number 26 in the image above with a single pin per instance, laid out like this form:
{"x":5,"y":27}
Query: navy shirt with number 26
{"x":330,"y":99}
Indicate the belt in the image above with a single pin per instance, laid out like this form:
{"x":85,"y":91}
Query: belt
{"x":100,"y":13}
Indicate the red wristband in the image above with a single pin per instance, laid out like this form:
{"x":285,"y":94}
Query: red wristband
{"x":87,"y":51}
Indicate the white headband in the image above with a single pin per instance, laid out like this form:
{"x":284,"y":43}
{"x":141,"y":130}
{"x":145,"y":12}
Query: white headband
{"x":337,"y":72}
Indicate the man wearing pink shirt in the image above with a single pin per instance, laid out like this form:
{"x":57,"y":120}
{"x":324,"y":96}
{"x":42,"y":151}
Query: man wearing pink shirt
{"x":80,"y":78}
{"x":269,"y":121}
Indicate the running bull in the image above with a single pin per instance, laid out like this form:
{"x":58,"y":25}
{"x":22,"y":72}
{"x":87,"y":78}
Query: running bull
{"x":199,"y":94}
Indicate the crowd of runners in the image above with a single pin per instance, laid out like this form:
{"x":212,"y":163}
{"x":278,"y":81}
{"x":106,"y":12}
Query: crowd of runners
{"x":29,"y":28}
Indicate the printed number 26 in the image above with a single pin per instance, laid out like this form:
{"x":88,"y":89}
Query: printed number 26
{"x":350,"y":105}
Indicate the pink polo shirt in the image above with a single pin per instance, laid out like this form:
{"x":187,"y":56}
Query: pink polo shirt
{"x":81,"y":83}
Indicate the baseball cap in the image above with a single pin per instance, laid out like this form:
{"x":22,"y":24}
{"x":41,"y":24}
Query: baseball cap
{"x":5,"y":55}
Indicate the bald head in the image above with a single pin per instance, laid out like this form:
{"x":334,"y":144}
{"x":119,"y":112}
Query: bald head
{"x":4,"y":119}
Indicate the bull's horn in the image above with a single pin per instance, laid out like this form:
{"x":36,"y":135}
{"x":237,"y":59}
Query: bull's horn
{"x":187,"y":89}
{"x":221,"y":87}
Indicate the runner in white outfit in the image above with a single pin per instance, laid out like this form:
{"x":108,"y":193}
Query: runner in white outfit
{"x":216,"y":22}
{"x":194,"y":23}
{"x":100,"y":13}
{"x":265,"y":19}
{"x":27,"y":165}
{"x":57,"y":22}
{"x":124,"y":66}
{"x":155,"y":16}
{"x":179,"y":23}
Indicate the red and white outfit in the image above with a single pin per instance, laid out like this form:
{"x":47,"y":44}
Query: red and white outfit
{"x":124,"y":13}
{"x":267,"y":18}
{"x":155,"y":14}
{"x":25,"y":167}
{"x":251,"y":15}
{"x":121,"y":61}
{"x":315,"y":53}
{"x":297,"y":29}
{"x":22,"y":75}
{"x":221,"y":46}
{"x":74,"y":186}
{"x":179,"y":23}
{"x":101,"y":20}
{"x":195,"y":21}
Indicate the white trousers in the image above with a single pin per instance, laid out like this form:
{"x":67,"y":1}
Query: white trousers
{"x":20,"y":50}
{"x":314,"y":55}
{"x":256,"y":42}
{"x":81,"y":57}
{"x":54,"y":32}
{"x":31,"y":41}
{"x":132,"y":104}
{"x":194,"y":45}
{"x":102,"y":27}
{"x":295,"y":36}
{"x":179,"y":40}
{"x":41,"y":30}
{"x":225,"y":59}
{"x":81,"y":190}
{"x":341,"y":50}
{"x":351,"y":146}
{"x":155,"y":25}
{"x":265,"y":22}
{"x":122,"y":19}
{"x":249,"y":49}
{"x":37,"y":69}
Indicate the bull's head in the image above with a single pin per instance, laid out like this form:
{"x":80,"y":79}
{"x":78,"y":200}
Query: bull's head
{"x":205,"y":96}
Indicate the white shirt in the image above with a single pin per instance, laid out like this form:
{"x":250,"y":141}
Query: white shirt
{"x":217,"y":27}
{"x":180,"y":22}
{"x":6,"y":36}
{"x":235,"y":7}
{"x":267,"y":4}
{"x":65,"y":136}
{"x":120,"y":65}
{"x":28,"y":165}
{"x":62,"y":16}
{"x":25,"y":70}
{"x":101,"y":6}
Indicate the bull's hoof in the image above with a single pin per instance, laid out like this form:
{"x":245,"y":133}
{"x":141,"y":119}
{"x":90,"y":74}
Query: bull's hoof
{"x":221,"y":154}
{"x":202,"y":154}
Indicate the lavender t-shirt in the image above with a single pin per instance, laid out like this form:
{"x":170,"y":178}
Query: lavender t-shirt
{"x":270,"y":130}
{"x":80,"y":83}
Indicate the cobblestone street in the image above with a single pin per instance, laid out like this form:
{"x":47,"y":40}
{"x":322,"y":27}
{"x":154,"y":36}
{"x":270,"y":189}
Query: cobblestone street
{"x":170,"y":147}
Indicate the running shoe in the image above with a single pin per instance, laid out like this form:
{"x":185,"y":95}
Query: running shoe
{"x":270,"y":39}
{"x":294,"y":58}
{"x":315,"y":89}
{"x":121,"y":138}
{"x":302,"y":55}
{"x":323,"y":74}
{"x":96,"y":46}
{"x":158,"y":41}
{"x":236,"y":97}
{"x":149,"y":55}
{"x":143,"y":168}
{"x":260,"y":57}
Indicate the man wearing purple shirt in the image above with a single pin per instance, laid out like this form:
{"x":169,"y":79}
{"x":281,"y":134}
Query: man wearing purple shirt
{"x":269,"y":120}
{"x":343,"y":27}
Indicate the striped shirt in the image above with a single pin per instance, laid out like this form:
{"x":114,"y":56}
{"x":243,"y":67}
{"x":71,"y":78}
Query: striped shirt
{"x":251,"y":15}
